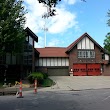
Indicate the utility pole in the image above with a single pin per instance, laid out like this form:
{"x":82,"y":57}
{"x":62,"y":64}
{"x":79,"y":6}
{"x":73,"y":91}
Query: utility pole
{"x":45,"y":29}
{"x":50,"y":12}
{"x":45,"y":33}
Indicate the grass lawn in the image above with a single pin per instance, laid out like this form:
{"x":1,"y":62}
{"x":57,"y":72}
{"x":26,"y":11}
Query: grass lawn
{"x":47,"y":82}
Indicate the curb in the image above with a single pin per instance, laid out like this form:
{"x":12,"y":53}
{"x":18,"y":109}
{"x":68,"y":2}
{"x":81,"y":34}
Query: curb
{"x":7,"y":92}
{"x":12,"y":91}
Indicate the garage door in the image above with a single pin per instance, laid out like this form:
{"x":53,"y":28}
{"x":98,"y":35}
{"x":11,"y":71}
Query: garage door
{"x":58,"y":71}
{"x":79,"y":70}
{"x":86,"y":69}
{"x":93,"y":69}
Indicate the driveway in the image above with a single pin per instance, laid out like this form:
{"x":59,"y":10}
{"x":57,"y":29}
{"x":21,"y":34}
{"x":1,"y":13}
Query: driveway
{"x":80,"y":82}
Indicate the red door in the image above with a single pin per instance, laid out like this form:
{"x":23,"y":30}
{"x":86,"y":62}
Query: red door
{"x":86,"y":69}
{"x":93,"y":69}
{"x":79,"y":70}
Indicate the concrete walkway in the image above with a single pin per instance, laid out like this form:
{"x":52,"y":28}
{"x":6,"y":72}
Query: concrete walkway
{"x":80,"y":82}
{"x":71,"y":83}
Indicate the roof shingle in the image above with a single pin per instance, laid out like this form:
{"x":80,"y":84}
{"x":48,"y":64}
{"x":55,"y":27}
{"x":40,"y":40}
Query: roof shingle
{"x":52,"y":52}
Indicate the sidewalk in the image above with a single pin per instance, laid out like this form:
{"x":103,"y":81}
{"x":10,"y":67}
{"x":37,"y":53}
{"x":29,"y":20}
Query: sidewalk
{"x":68,"y":83}
{"x":14,"y":89}
{"x":80,"y":82}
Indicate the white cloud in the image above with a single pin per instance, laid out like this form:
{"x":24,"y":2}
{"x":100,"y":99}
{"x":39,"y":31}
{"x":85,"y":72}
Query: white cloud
{"x":71,"y":2}
{"x":34,"y":16}
{"x":59,"y":23}
{"x":40,"y":42}
{"x":53,"y":43}
{"x":62,"y":21}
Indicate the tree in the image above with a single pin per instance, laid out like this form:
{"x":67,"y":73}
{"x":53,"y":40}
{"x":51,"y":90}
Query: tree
{"x":51,"y":4}
{"x":107,"y":39}
{"x":109,"y":19}
{"x":107,"y":42}
{"x":12,"y":22}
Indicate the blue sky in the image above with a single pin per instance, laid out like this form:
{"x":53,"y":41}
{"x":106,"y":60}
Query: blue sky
{"x":73,"y":19}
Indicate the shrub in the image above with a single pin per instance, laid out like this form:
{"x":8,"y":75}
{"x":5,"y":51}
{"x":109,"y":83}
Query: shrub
{"x":47,"y":82}
{"x":36,"y":75}
{"x":45,"y":75}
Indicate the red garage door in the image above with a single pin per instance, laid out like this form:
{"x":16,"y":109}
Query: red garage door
{"x":93,"y":69}
{"x":79,"y":70}
{"x":86,"y":69}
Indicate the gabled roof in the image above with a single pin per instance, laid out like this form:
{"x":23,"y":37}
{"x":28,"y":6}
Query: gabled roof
{"x":52,"y":52}
{"x":71,"y":46}
{"x":29,"y":32}
{"x":61,"y":51}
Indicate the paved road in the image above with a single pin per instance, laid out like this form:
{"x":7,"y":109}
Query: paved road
{"x":69,"y":93}
{"x":81,"y":82}
{"x":59,"y":100}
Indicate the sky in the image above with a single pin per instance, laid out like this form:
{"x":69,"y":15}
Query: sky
{"x":73,"y":18}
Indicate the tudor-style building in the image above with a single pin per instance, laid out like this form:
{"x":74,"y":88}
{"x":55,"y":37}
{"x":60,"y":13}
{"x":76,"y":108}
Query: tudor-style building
{"x":83,"y":57}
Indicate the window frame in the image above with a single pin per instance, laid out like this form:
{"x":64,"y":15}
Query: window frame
{"x":86,"y":54}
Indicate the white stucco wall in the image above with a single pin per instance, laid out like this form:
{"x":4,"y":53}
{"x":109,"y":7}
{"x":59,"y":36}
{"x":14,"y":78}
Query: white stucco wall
{"x":52,"y":62}
{"x":106,"y":57}
{"x":85,"y":43}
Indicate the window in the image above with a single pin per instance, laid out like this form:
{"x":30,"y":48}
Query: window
{"x":79,"y":54}
{"x":86,"y":54}
{"x":27,"y":47}
{"x":27,"y":58}
{"x":103,"y":56}
{"x":30,"y":47}
{"x":92,"y":54}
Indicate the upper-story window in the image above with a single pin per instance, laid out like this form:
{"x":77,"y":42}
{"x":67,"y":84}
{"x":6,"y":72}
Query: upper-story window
{"x":27,"y":39}
{"x":86,"y":54}
{"x":27,"y":47}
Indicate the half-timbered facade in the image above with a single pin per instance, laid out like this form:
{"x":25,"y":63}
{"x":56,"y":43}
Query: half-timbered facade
{"x":84,"y":57}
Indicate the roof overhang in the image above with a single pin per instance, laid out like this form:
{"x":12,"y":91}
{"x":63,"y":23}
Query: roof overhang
{"x":30,"y":33}
{"x":71,"y":46}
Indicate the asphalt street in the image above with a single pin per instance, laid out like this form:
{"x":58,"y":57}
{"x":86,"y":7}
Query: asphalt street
{"x":58,"y":100}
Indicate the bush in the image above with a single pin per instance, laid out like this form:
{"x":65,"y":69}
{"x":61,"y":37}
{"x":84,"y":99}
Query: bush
{"x":47,"y":82}
{"x":36,"y":75}
{"x":45,"y":75}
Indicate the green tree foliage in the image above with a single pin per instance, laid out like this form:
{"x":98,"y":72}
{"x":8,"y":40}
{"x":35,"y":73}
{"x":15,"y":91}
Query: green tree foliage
{"x":51,"y":4}
{"x":107,"y":39}
{"x":109,"y":19}
{"x":107,"y":42}
{"x":12,"y":22}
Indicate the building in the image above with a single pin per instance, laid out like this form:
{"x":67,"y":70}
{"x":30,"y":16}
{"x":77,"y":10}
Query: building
{"x":84,"y":57}
{"x":17,"y":66}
